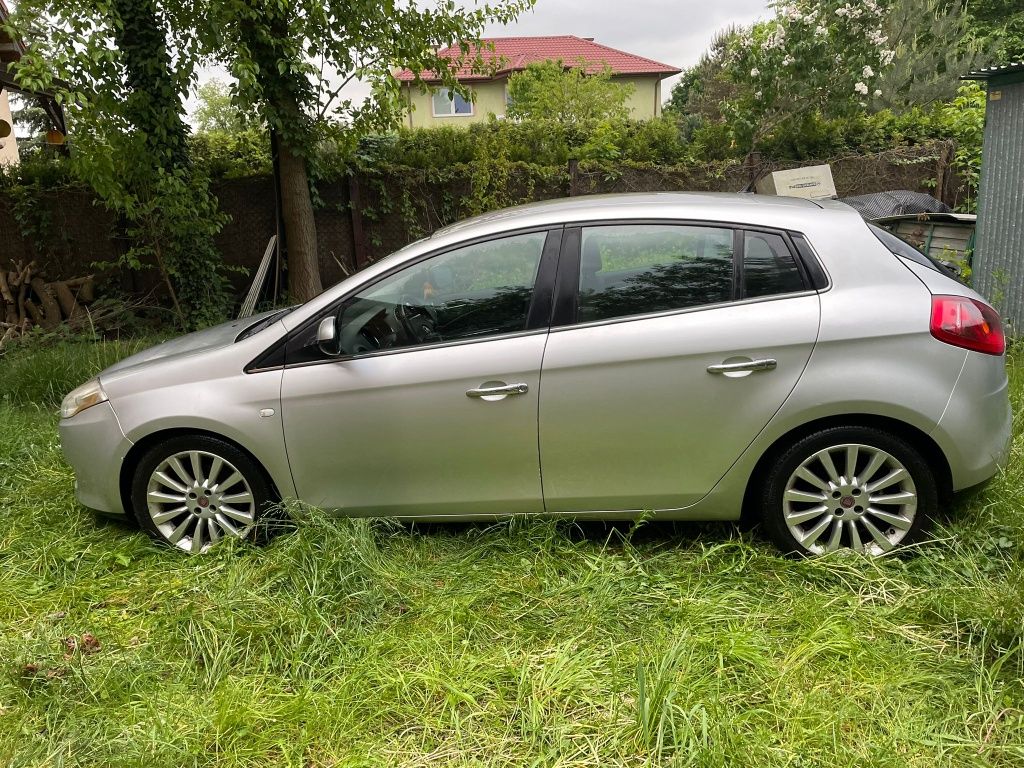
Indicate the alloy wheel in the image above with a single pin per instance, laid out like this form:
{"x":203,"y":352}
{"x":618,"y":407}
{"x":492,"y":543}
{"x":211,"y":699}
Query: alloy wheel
{"x":850,"y":496}
{"x":197,"y":498}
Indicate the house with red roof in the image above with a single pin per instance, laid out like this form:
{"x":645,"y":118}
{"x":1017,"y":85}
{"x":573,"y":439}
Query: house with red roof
{"x":506,"y":55}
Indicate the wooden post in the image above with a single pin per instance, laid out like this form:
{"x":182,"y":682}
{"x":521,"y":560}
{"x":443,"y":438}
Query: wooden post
{"x":574,"y":177}
{"x":280,"y":247}
{"x":359,"y":254}
{"x":941,"y":172}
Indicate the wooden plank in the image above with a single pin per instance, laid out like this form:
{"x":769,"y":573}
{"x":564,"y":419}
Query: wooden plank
{"x":249,"y":305}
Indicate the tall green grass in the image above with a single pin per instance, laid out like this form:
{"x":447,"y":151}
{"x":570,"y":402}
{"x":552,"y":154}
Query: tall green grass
{"x":531,"y":642}
{"x":42,"y":375}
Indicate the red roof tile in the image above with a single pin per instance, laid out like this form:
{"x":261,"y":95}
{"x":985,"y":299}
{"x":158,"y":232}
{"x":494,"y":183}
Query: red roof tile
{"x":512,"y":54}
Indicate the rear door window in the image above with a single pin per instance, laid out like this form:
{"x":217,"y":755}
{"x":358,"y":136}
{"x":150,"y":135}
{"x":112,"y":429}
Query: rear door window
{"x":768,"y":266}
{"x":637,"y":269}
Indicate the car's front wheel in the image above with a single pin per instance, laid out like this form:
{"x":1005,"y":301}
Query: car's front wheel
{"x":192,"y":491}
{"x":848,"y":487}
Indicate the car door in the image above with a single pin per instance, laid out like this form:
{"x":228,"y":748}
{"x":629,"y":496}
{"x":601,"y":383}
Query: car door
{"x":430,"y":406}
{"x":677,"y":345}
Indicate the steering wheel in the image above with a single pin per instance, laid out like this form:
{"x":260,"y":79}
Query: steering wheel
{"x":419,"y":321}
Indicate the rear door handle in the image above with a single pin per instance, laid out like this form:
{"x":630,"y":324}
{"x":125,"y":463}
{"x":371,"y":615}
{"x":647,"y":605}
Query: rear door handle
{"x":501,"y":391}
{"x":765,"y":364}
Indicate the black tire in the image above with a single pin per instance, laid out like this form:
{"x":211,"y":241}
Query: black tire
{"x":213,"y":524}
{"x":848,"y":510}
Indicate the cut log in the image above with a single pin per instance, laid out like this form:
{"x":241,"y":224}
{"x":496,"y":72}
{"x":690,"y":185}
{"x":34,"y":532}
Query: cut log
{"x":22,"y":297}
{"x":34,"y":312}
{"x":9,"y":334}
{"x":66,"y":299}
{"x":5,"y":289}
{"x":51,"y":309}
{"x":87,"y":293}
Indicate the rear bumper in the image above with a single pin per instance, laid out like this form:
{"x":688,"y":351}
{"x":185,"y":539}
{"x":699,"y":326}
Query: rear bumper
{"x":976,"y":427}
{"x":95,"y":447}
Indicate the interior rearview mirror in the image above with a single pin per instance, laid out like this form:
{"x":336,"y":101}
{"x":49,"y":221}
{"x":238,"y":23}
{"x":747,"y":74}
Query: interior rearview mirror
{"x":327,"y":336}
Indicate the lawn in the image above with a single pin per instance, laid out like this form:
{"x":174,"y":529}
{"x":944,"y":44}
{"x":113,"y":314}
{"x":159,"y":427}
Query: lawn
{"x":527,"y":643}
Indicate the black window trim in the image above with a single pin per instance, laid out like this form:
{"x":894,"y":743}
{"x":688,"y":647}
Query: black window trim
{"x":276,"y":356}
{"x":567,"y":283}
{"x":814,"y":270}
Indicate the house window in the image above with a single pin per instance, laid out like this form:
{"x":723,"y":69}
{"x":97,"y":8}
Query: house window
{"x":448,"y":103}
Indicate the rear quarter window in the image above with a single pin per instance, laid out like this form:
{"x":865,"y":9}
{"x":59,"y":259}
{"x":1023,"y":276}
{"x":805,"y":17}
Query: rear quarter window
{"x":901,"y":247}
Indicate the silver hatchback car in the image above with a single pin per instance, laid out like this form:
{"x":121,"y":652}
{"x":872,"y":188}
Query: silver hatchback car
{"x":676,"y":356}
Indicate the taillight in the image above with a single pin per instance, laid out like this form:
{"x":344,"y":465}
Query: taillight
{"x":967,"y":323}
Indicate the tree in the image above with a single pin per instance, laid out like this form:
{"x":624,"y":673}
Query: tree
{"x":549,"y":90}
{"x":934,"y":44}
{"x":218,"y":111}
{"x":1000,"y":23}
{"x":284,"y":53}
{"x":836,"y":58}
{"x":705,"y":85}
{"x":108,"y":62}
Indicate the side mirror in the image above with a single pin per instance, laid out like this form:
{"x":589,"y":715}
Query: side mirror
{"x":327,"y":336}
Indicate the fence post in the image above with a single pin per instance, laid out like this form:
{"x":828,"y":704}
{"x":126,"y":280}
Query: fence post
{"x":355,"y":205}
{"x":574,"y":177}
{"x":941,"y":172}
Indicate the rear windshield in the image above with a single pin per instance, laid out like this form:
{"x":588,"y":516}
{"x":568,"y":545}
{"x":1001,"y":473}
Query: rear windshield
{"x":901,"y":247}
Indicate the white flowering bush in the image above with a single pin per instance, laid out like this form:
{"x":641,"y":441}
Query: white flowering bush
{"x":814,"y":57}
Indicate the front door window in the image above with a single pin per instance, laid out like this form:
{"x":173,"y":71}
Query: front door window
{"x":480,"y":290}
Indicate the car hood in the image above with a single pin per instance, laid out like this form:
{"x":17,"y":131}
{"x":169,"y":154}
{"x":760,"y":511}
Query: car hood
{"x":217,"y":337}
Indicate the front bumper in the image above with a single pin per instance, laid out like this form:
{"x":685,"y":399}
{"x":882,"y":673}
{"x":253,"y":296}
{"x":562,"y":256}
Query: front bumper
{"x":95,"y":447}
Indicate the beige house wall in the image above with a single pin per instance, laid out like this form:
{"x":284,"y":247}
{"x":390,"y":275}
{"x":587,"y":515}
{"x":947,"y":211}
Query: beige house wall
{"x":8,"y":146}
{"x":645,"y":101}
{"x":489,"y":99}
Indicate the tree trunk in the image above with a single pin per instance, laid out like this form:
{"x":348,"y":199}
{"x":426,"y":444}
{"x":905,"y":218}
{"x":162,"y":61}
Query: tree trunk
{"x":299,"y":226}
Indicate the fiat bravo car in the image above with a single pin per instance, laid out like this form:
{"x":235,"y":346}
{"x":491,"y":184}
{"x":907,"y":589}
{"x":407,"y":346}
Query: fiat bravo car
{"x":676,"y":356}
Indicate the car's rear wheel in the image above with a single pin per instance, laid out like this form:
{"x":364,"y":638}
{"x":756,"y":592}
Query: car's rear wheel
{"x":191,"y":492}
{"x":854,"y":488}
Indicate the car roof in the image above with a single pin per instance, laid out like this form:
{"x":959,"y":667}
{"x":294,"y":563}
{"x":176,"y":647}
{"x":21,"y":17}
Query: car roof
{"x":710,"y":206}
{"x":796,"y":214}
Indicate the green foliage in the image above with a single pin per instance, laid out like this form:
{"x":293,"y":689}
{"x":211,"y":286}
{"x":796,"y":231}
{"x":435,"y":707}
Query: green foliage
{"x":218,"y":111}
{"x":964,"y":120}
{"x":526,"y":642}
{"x":934,"y":44}
{"x":1000,"y":23}
{"x":108,"y":62}
{"x":553,"y":91}
{"x":234,"y":154}
{"x":818,"y":61}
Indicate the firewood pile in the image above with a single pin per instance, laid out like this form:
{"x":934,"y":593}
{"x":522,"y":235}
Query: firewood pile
{"x":28,"y":300}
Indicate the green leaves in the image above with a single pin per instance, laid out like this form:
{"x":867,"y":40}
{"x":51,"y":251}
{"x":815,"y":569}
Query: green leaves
{"x":551,"y":90}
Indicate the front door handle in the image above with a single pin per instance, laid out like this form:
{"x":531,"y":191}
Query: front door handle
{"x":499,"y":391}
{"x":765,"y":364}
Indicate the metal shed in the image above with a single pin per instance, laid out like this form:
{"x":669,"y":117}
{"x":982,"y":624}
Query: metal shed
{"x":999,"y":247}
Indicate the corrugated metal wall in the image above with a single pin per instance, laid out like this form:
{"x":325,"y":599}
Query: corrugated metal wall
{"x":999,"y":253}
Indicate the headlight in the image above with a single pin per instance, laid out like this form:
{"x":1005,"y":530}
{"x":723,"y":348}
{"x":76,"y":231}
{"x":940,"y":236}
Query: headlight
{"x":85,"y":396}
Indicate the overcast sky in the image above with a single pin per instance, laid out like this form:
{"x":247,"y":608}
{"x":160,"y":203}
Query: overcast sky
{"x":673,"y":32}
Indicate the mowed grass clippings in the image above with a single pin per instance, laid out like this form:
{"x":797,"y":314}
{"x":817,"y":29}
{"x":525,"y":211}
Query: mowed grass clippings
{"x":531,"y":642}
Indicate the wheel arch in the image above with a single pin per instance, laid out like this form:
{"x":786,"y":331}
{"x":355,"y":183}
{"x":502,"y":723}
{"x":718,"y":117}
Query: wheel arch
{"x":139,"y":449}
{"x":929,"y":449}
